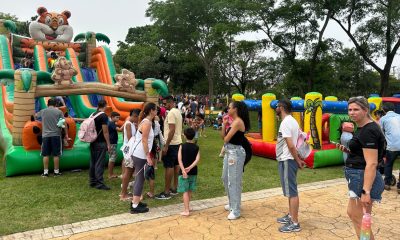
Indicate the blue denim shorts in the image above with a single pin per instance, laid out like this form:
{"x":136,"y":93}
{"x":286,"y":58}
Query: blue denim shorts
{"x":355,"y":183}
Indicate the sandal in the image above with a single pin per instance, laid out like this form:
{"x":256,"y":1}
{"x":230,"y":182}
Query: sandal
{"x":126,"y":199}
{"x":149,"y":195}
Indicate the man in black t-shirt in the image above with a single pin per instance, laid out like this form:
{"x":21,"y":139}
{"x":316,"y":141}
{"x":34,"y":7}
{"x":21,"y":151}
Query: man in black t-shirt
{"x":98,"y":149}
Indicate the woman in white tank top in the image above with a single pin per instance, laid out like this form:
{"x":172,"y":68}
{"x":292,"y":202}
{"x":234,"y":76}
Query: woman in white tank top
{"x":128,"y":125}
{"x":127,"y":164}
{"x":141,"y":154}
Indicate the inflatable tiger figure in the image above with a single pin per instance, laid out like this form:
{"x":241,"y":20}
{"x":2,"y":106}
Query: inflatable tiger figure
{"x":51,"y":26}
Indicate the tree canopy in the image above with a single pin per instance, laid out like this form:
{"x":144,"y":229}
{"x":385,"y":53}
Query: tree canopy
{"x":198,"y":47}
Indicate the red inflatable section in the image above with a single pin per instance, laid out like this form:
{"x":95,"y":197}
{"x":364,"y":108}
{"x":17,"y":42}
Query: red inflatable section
{"x":267,"y":149}
{"x":391,"y":99}
{"x":260,"y":148}
{"x":325,"y":126}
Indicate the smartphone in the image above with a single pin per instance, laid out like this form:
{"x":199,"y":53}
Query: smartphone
{"x":347,"y":149}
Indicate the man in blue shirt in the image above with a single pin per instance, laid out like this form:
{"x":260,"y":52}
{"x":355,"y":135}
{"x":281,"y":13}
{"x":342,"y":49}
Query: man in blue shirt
{"x":390,"y":124}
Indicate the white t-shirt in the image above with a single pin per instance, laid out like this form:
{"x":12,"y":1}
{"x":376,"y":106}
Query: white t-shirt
{"x":288,"y":128}
{"x":133,"y":130}
{"x":180,"y":104}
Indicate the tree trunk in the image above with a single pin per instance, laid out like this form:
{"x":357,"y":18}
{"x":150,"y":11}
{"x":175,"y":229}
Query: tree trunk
{"x":210,"y":77}
{"x":384,"y":91}
{"x":310,"y":78}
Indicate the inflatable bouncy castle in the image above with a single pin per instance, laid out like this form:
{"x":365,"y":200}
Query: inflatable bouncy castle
{"x":47,"y":64}
{"x":321,"y":119}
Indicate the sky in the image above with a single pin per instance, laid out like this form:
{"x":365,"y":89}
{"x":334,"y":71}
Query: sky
{"x":115,"y":17}
{"x":112,"y":17}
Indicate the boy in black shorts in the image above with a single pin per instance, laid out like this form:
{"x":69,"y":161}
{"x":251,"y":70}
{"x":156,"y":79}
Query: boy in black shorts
{"x":188,"y":158}
{"x":51,"y":136}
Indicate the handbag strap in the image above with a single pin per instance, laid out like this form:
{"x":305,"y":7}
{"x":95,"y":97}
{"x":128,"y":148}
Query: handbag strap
{"x":95,"y":116}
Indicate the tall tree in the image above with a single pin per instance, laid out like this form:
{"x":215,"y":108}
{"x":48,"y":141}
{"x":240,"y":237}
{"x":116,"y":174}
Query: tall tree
{"x":22,"y":26}
{"x":199,"y":27}
{"x":373,"y":27}
{"x":143,"y":53}
{"x":352,"y":77}
{"x":147,"y":54}
{"x":144,"y":60}
{"x":242,"y":64}
{"x":293,"y":28}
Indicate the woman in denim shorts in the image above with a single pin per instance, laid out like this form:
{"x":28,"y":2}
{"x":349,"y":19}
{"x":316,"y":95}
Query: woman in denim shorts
{"x":234,"y":156}
{"x":365,"y":151}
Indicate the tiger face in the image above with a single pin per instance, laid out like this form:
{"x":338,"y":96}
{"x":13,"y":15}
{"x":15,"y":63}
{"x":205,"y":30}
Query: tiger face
{"x":51,"y":26}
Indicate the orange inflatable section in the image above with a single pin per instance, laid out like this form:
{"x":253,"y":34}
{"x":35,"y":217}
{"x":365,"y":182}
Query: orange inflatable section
{"x":33,"y":129}
{"x":42,"y":57}
{"x":99,"y":62}
{"x":78,"y":77}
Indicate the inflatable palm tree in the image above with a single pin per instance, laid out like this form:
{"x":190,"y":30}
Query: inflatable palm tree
{"x":89,"y":35}
{"x":311,"y":107}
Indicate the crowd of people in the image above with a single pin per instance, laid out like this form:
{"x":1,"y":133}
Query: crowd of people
{"x":154,"y":134}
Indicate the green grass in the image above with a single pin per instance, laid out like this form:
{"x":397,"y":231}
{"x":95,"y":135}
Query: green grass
{"x":31,"y":202}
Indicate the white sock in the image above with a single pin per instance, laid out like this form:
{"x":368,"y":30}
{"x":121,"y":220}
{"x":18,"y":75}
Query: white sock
{"x":295,"y":223}
{"x":46,"y":171}
{"x":56,"y":170}
{"x":134,"y":205}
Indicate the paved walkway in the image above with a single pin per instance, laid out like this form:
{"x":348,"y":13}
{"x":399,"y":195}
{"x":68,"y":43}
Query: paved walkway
{"x":322,"y":216}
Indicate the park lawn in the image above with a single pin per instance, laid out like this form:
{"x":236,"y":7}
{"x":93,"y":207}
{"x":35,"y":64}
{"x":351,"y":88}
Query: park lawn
{"x":31,"y":202}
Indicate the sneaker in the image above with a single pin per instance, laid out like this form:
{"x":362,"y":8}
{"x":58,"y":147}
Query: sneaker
{"x":45,"y":175}
{"x":173,"y":192}
{"x":103,"y":187}
{"x":387,"y":187}
{"x":285,"y":219}
{"x":140,"y":205}
{"x":227,"y":208}
{"x":138,"y":209}
{"x":232,"y":216}
{"x":163,"y":196}
{"x":290,"y":227}
{"x":57,"y":174}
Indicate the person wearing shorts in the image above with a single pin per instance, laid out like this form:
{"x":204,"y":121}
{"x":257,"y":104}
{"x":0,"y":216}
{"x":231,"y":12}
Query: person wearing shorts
{"x":51,"y":137}
{"x":288,"y":164}
{"x":365,"y":153}
{"x":112,"y":154}
{"x":129,"y":130}
{"x":172,"y":134}
{"x":188,"y":158}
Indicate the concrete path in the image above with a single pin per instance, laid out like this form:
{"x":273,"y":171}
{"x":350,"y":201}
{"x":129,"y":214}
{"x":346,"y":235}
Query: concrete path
{"x":322,"y":216}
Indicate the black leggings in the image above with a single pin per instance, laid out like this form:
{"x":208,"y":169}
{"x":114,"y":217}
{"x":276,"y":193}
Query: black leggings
{"x":138,"y":163}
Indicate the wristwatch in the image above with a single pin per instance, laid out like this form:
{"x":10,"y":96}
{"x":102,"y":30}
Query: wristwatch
{"x":365,"y":192}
